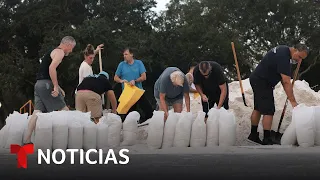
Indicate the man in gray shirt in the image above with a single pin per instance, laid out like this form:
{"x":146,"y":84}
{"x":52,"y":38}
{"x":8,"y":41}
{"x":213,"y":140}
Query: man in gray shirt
{"x":169,"y":90}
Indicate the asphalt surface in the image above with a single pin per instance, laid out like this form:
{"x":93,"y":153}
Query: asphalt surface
{"x":174,"y":166}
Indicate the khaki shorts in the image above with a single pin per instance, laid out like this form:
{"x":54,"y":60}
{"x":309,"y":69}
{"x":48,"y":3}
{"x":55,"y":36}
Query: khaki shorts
{"x":89,"y":101}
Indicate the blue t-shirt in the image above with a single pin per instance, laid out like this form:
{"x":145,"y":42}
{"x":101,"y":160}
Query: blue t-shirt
{"x":131,"y":72}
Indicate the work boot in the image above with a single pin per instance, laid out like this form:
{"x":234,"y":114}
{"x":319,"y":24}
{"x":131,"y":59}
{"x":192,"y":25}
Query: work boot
{"x":254,"y":138}
{"x":267,"y":141}
{"x":275,"y":137}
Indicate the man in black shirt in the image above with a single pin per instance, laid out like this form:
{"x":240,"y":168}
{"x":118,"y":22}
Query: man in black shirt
{"x":274,"y":67}
{"x":211,"y":83}
{"x":48,"y":95}
{"x":89,"y":95}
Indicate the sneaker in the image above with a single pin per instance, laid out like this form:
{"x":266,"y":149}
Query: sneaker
{"x":254,"y":138}
{"x":267,"y":141}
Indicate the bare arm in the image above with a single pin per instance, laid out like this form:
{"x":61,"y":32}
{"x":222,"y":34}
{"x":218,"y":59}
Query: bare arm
{"x":199,"y":89}
{"x":57,"y":56}
{"x":288,"y":88}
{"x":163,"y":105}
{"x":223,"y":94}
{"x":118,"y":80}
{"x":113,"y":100}
{"x":204,"y":98}
{"x":98,"y":48}
{"x":190,"y":81}
{"x":142,"y":78}
{"x":187,"y":100}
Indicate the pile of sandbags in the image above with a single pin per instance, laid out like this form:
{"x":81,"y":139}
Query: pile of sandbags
{"x":70,"y":130}
{"x":304,"y":128}
{"x":187,"y":129}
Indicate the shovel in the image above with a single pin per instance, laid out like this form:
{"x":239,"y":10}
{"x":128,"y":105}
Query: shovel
{"x":276,"y":136}
{"x":238,"y":73}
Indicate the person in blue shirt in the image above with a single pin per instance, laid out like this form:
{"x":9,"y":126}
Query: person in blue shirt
{"x":133,"y":71}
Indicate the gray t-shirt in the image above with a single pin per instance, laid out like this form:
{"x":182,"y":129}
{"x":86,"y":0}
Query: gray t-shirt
{"x":165,"y":85}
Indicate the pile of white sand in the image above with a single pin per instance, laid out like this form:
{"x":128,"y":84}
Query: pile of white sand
{"x":303,"y":94}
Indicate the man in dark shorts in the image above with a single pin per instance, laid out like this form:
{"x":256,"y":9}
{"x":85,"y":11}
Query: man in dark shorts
{"x":274,"y":67}
{"x":211,"y":84}
{"x":48,"y":95}
{"x":89,"y":93}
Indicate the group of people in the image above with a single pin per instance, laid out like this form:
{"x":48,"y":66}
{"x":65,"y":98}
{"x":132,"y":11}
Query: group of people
{"x":172,"y":87}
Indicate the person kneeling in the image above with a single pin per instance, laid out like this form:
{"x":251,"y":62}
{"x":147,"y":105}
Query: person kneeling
{"x":89,"y":93}
{"x":169,"y":90}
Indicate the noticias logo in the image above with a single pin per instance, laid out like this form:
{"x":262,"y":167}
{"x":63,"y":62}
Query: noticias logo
{"x":23,"y":151}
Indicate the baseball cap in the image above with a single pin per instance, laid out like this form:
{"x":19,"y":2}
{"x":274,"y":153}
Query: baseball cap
{"x":104,"y":73}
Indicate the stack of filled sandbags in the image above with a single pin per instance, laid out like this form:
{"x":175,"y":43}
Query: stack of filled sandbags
{"x":70,"y":130}
{"x":187,"y":129}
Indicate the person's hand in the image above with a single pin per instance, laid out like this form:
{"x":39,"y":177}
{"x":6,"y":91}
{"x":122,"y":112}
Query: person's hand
{"x":132,"y":83}
{"x":218,"y":107}
{"x":294,"y":104}
{"x":55,"y":91}
{"x":114,"y":111}
{"x":123,"y":81}
{"x":204,"y":98}
{"x":99,"y":47}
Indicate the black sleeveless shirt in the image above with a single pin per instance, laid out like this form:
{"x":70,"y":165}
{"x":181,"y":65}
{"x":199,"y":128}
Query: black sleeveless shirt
{"x":46,"y":60}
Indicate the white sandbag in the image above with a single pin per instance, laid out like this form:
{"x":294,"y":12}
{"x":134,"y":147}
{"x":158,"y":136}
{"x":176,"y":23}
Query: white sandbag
{"x":5,"y":130}
{"x":213,"y":127}
{"x":60,"y":129}
{"x":43,"y":132}
{"x":130,"y":129}
{"x":114,"y":130}
{"x":155,"y":130}
{"x":169,"y":130}
{"x":227,"y":128}
{"x":102,"y":133}
{"x":183,"y":130}
{"x":4,"y":136}
{"x":199,"y":131}
{"x":305,"y":125}
{"x":289,"y":136}
{"x":317,"y":125}
{"x":194,"y":116}
{"x":89,"y":136}
{"x":75,"y":129}
{"x":16,"y":129}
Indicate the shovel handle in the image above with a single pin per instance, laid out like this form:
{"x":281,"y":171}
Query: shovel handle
{"x":238,"y":72}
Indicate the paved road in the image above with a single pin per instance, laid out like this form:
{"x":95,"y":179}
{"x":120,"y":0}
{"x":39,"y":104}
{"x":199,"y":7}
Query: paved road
{"x":161,"y":166}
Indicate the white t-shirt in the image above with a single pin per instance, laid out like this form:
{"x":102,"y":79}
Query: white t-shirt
{"x":84,"y":71}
